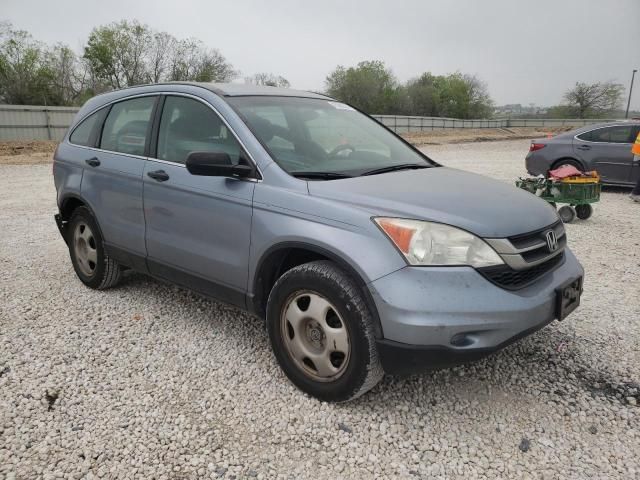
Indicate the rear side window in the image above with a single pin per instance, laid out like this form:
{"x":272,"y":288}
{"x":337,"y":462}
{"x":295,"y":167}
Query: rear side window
{"x":127,"y":126}
{"x":620,"y":134}
{"x":187,"y":126}
{"x":86,"y":132}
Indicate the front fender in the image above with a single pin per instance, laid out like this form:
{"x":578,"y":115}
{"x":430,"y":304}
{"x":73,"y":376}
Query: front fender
{"x":364,"y":249}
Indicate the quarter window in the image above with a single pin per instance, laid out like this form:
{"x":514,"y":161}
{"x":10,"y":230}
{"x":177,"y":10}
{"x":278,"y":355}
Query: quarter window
{"x":601,"y":135}
{"x":127,"y":126}
{"x":188,"y":125}
{"x":85,"y":133}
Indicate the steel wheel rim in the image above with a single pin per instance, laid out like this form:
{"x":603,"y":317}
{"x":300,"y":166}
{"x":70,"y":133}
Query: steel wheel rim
{"x":84,"y":245}
{"x":315,"y":336}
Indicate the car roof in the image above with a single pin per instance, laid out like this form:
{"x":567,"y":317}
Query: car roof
{"x":220,"y":89}
{"x":245,"y":90}
{"x":595,"y":126}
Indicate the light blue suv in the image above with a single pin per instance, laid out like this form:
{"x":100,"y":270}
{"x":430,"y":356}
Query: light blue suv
{"x":363,"y":255}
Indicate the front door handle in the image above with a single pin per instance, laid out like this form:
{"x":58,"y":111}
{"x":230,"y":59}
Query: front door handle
{"x":584,"y":147}
{"x":159,"y":175}
{"x":94,"y":162}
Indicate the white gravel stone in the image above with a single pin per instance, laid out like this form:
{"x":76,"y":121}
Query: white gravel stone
{"x":154,"y":381}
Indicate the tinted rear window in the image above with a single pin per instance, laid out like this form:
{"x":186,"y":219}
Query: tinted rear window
{"x":125,"y":129}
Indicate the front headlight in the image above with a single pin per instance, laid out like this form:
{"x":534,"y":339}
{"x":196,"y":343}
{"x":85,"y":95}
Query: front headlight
{"x":428,"y":243}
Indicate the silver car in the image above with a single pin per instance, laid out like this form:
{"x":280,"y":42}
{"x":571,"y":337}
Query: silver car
{"x":604,"y":147}
{"x":362,"y":255}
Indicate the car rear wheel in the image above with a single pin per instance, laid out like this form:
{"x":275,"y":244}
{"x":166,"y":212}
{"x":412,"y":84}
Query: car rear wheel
{"x":94,"y":268}
{"x":566,"y":162}
{"x":321,"y":331}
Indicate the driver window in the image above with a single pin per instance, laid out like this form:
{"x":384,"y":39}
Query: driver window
{"x":188,"y":125}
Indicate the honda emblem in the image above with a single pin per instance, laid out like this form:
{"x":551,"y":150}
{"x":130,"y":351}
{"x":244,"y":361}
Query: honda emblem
{"x":552,"y":240}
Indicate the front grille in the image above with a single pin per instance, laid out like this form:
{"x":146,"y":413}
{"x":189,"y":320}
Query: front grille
{"x":506,"y":277}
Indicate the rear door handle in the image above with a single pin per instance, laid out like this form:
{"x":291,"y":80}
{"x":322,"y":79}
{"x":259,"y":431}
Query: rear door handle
{"x":584,"y":147}
{"x":159,"y":175}
{"x":94,"y":162}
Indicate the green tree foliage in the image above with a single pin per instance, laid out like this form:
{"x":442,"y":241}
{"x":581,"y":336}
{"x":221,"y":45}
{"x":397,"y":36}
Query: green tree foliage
{"x":593,"y":100}
{"x":372,"y":87}
{"x":26,"y":76}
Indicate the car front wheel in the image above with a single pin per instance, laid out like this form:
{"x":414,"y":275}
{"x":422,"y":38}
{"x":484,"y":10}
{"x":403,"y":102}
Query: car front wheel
{"x":321,"y":332}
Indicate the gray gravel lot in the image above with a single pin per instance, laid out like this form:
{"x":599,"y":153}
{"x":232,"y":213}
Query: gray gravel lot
{"x":150,"y":381}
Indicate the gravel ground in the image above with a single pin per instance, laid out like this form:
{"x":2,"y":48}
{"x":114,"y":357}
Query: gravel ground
{"x":150,"y":381}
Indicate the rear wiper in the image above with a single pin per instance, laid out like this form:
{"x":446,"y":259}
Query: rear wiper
{"x":393,"y":168}
{"x":320,"y":175}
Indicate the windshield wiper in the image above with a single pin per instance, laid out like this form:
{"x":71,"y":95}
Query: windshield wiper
{"x":320,"y":175}
{"x":393,"y":168}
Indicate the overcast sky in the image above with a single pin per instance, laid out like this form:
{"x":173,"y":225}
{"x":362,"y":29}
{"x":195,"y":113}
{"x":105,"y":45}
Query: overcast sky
{"x":526,"y":51}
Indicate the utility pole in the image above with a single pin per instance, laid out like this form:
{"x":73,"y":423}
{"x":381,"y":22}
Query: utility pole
{"x":626,"y":114}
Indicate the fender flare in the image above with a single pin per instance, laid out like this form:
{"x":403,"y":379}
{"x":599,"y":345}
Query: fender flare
{"x":87,"y":205}
{"x":254,"y":299}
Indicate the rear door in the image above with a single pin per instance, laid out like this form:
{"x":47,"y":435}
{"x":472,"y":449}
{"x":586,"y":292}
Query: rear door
{"x":198,"y":227}
{"x":112,"y":180}
{"x":607,"y":150}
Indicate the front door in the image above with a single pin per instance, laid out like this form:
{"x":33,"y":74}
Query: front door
{"x":607,"y":150}
{"x":198,"y":227}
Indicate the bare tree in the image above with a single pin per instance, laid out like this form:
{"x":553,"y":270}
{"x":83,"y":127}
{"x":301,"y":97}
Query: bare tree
{"x":192,"y":60}
{"x":160,"y":53}
{"x":594,"y":99}
{"x":67,"y":74}
{"x":129,"y":53}
{"x":268,"y":79}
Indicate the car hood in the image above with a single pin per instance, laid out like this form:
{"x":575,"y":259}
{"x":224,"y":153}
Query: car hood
{"x":486,"y":207}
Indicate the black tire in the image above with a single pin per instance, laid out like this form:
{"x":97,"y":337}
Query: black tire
{"x":567,"y":214}
{"x":102,"y":273}
{"x":584,"y":211}
{"x":567,"y":161}
{"x":362,"y":369}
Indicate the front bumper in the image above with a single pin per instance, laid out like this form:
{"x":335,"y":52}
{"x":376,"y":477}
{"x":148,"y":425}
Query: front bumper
{"x":442,"y":316}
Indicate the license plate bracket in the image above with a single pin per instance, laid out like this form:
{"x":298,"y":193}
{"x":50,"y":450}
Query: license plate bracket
{"x":568,"y":297}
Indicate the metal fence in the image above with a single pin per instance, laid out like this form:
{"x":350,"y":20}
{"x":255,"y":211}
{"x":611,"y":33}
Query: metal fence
{"x":26,"y":122}
{"x":404,"y":124}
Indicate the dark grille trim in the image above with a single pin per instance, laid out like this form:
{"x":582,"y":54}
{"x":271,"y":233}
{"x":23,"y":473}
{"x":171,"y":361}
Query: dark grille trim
{"x":510,"y":279}
{"x":525,"y":240}
{"x":539,"y":253}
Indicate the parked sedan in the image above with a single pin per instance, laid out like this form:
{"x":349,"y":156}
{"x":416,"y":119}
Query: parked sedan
{"x":604,"y":147}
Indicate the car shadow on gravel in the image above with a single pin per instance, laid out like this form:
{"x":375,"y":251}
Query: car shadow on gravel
{"x":551,"y":362}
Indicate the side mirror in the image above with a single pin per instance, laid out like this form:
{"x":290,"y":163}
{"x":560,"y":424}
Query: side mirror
{"x":215,"y":164}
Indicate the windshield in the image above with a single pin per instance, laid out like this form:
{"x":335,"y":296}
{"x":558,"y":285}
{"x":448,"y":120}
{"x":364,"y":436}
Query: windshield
{"x":321,"y":136}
